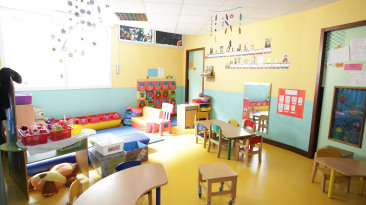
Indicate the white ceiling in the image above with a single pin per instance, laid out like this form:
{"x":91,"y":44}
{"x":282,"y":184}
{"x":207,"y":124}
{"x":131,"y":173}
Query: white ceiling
{"x":187,"y":17}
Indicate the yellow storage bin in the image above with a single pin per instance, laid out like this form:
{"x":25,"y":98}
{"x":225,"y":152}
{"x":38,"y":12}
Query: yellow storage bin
{"x":76,"y":129}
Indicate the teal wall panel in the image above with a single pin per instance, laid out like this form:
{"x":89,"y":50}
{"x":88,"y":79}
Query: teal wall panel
{"x":79,"y":102}
{"x":285,"y":129}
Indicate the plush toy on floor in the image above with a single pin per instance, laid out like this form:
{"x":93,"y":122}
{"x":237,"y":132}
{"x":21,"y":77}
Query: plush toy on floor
{"x":50,"y":182}
{"x":39,"y":117}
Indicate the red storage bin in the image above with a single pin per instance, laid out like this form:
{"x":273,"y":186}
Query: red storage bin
{"x":35,"y":139}
{"x":105,"y":117}
{"x":82,"y":120}
{"x":196,"y":100}
{"x":115,"y":115}
{"x":72,"y":120}
{"x":61,"y":134}
{"x":93,"y":118}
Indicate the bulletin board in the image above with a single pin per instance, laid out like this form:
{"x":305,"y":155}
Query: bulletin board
{"x":291,"y":102}
{"x":153,"y":93}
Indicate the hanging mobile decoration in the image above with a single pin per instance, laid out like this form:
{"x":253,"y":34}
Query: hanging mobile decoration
{"x":225,"y":30}
{"x":231,"y":16}
{"x":240,"y":17}
{"x":227,"y":18}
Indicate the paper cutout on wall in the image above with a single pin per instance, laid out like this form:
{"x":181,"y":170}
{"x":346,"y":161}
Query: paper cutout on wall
{"x":171,"y":93}
{"x":149,"y":95}
{"x":141,"y":95}
{"x":164,"y":85}
{"x":172,"y":85}
{"x":157,"y":103}
{"x":157,"y":94}
{"x":164,"y":100}
{"x":165,"y":94}
{"x":152,"y":72}
{"x":141,"y":103}
{"x":149,"y":86}
{"x":172,"y":101}
{"x":141,"y":86}
{"x":291,"y":102}
{"x":157,"y":85}
{"x":150,"y":103}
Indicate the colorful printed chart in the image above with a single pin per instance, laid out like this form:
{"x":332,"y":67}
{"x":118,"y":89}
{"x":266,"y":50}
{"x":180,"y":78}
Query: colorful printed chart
{"x":291,"y":102}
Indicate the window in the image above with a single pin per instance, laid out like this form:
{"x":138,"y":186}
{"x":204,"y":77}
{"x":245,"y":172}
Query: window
{"x":49,"y":55}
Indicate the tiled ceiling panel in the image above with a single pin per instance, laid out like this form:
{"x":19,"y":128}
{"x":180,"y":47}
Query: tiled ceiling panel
{"x":188,"y":17}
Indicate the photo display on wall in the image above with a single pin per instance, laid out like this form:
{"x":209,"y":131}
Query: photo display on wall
{"x":153,"y":93}
{"x":170,"y":39}
{"x":135,"y":34}
{"x":291,"y":102}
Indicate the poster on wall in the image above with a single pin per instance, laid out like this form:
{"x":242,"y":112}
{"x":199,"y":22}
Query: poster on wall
{"x":291,"y":102}
{"x":169,"y":39}
{"x":135,"y":34}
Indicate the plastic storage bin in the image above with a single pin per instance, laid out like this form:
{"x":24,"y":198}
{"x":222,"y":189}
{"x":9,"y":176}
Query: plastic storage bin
{"x":82,"y":120}
{"x":35,"y":139}
{"x":104,"y":165}
{"x":105,"y":117}
{"x":23,"y":99}
{"x":61,"y":134}
{"x":93,"y":118}
{"x":115,"y":115}
{"x":76,"y":129}
{"x":136,"y":151}
{"x":107,"y":143}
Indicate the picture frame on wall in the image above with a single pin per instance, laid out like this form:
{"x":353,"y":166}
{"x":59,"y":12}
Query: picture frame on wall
{"x":348,"y":115}
{"x":135,"y":35}
{"x":168,"y":39}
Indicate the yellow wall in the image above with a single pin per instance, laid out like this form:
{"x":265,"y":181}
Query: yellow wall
{"x":297,"y":34}
{"x":135,"y":59}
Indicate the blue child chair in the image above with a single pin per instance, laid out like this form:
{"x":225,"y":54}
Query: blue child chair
{"x":129,"y":164}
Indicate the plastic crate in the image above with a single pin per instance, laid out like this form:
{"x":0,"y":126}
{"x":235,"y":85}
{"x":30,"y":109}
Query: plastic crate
{"x":61,"y":134}
{"x":105,"y":117}
{"x":35,"y":139}
{"x":82,"y":120}
{"x":107,"y":143}
{"x":196,"y":100}
{"x":72,"y":120}
{"x":93,"y":118}
{"x":115,"y":115}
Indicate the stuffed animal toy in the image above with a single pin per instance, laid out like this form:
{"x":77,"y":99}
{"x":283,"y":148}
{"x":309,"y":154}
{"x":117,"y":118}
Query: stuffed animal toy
{"x":50,"y":182}
{"x":39,"y":117}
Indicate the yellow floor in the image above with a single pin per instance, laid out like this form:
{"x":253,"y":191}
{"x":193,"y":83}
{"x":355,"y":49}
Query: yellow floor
{"x":282,"y":178}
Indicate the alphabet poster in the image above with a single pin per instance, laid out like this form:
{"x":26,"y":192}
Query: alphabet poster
{"x":291,"y":102}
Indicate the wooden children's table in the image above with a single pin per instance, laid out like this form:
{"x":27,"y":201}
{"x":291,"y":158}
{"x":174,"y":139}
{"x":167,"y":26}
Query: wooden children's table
{"x":216,"y":173}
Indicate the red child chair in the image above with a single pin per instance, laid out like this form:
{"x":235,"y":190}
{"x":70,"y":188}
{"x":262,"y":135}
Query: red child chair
{"x":164,"y":118}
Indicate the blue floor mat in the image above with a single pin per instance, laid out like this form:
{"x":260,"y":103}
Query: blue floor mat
{"x":125,"y":130}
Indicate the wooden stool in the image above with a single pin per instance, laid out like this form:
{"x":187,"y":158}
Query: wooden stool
{"x":215,"y":173}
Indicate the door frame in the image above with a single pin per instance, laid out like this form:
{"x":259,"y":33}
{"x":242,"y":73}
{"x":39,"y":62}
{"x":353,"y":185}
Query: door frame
{"x":318,"y":96}
{"x":187,"y":68}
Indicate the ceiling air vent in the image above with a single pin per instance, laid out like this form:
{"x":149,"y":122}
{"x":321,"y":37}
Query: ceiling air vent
{"x":131,"y":16}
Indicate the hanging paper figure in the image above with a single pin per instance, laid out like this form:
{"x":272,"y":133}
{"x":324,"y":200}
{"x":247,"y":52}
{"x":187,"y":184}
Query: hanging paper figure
{"x":149,"y":95}
{"x":231,"y":28}
{"x":140,"y":86}
{"x":149,"y":86}
{"x":227,"y":23}
{"x":231,"y":16}
{"x":227,"y":18}
{"x":225,"y":30}
{"x":164,"y":85}
{"x":216,"y":17}
{"x":239,"y":30}
{"x":157,"y":85}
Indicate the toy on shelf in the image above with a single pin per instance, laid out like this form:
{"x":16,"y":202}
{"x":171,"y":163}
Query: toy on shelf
{"x":34,"y":135}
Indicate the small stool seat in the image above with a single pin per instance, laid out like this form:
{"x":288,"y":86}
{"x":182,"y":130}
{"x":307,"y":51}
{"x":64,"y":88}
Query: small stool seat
{"x":217,"y":173}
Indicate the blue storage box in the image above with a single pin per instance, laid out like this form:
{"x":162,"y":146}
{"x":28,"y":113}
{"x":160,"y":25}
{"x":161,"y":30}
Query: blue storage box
{"x":136,"y":151}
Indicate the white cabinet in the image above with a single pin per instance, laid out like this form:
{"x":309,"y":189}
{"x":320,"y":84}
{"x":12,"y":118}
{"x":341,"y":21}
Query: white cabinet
{"x":186,"y":114}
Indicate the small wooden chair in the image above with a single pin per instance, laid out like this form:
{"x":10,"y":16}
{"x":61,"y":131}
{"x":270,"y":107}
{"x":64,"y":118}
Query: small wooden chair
{"x":216,"y":137}
{"x":324,"y":172}
{"x":249,"y":124}
{"x":164,"y":118}
{"x":129,"y":164}
{"x":249,"y":148}
{"x":76,"y":189}
{"x":263,"y":123}
{"x":199,"y":130}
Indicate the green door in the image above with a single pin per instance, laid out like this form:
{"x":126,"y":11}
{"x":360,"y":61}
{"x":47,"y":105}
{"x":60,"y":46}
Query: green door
{"x":195,"y":69}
